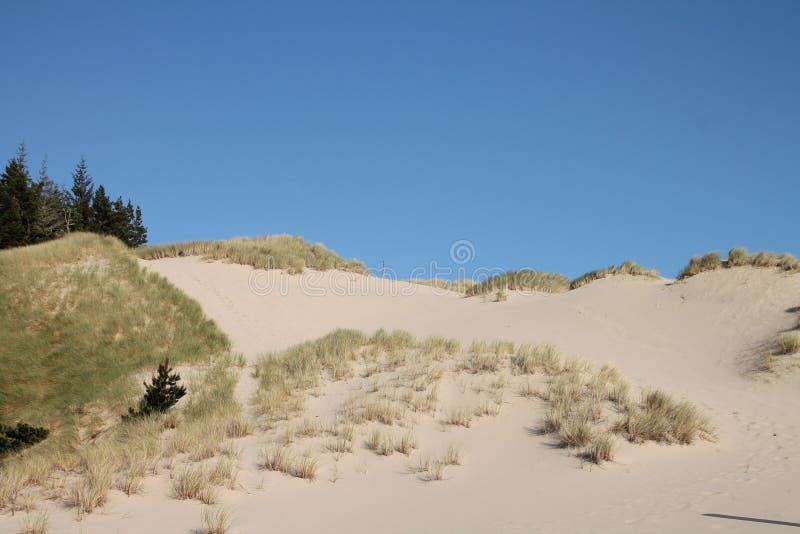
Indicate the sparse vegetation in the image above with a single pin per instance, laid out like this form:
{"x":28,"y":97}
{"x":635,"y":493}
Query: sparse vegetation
{"x":581,"y":401}
{"x":194,"y":482}
{"x":660,"y":418}
{"x":265,"y":252}
{"x":738,"y":257}
{"x":459,"y":286}
{"x":215,"y":520}
{"x":458,"y":417}
{"x":628,"y":268}
{"x":523,"y":280}
{"x":531,"y":358}
{"x":280,"y":458}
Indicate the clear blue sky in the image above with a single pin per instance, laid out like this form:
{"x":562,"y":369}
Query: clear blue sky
{"x":562,"y":136}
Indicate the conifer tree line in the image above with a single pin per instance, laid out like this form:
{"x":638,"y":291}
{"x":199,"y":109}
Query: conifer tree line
{"x":37,"y":210}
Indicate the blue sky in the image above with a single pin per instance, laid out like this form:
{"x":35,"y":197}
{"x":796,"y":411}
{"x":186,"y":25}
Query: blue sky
{"x":562,"y":136}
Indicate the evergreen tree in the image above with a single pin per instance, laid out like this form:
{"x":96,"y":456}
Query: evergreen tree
{"x":120,"y":222}
{"x":18,"y":202}
{"x":101,"y":215}
{"x":82,"y":194}
{"x":12,"y":230}
{"x":34,"y":211}
{"x":161,"y":394}
{"x":139,"y":230}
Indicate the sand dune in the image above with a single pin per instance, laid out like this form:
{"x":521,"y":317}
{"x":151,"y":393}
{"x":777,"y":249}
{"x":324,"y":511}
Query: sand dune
{"x":692,"y":338}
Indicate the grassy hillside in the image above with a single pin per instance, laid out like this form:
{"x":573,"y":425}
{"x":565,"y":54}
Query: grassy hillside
{"x":265,"y":252}
{"x":738,"y":257}
{"x":78,"y":317}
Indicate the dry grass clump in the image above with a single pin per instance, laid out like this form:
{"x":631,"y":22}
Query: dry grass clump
{"x":215,"y":520}
{"x":439,"y":347}
{"x":486,"y":357}
{"x":305,"y":467}
{"x":194,"y":482}
{"x":13,"y":480}
{"x":739,"y":257}
{"x":601,"y":448}
{"x":406,"y":444}
{"x":788,"y":343}
{"x":280,"y":458}
{"x":628,"y":267}
{"x":344,"y":437}
{"x":79,"y":318}
{"x":384,"y":411}
{"x":486,"y":408}
{"x":276,"y":458}
{"x":531,"y":358}
{"x":574,"y":431}
{"x":265,"y":252}
{"x":452,"y":456}
{"x":432,"y":469}
{"x":580,"y":402}
{"x":699,"y":264}
{"x":458,"y":417}
{"x":380,"y":443}
{"x":37,"y":522}
{"x":660,"y":418}
{"x":91,"y":489}
{"x":523,"y":280}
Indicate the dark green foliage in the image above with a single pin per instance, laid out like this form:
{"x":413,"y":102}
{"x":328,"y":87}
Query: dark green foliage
{"x":82,"y":195}
{"x":18,"y":196}
{"x":35,"y":211}
{"x":161,"y":394}
{"x":16,"y":438}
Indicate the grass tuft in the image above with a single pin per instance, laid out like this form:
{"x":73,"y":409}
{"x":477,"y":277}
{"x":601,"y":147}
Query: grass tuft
{"x":37,"y":522}
{"x":788,"y":342}
{"x":601,"y":448}
{"x":215,"y":520}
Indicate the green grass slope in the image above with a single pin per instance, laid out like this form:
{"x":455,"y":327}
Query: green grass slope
{"x":265,"y":252}
{"x":78,"y":318}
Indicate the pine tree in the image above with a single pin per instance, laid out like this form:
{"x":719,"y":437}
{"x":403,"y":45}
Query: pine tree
{"x":161,"y":394}
{"x":101,"y":214}
{"x":139,"y":230}
{"x":120,"y":222}
{"x":18,"y":202}
{"x":82,"y":194}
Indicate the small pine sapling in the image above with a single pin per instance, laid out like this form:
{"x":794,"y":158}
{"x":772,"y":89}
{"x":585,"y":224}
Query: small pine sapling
{"x":161,"y":394}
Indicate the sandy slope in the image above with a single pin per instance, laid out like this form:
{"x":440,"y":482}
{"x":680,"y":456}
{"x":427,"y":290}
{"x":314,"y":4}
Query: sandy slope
{"x":691,"y":338}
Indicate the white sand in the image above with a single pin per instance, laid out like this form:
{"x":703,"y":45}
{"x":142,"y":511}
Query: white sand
{"x":691,"y":338}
